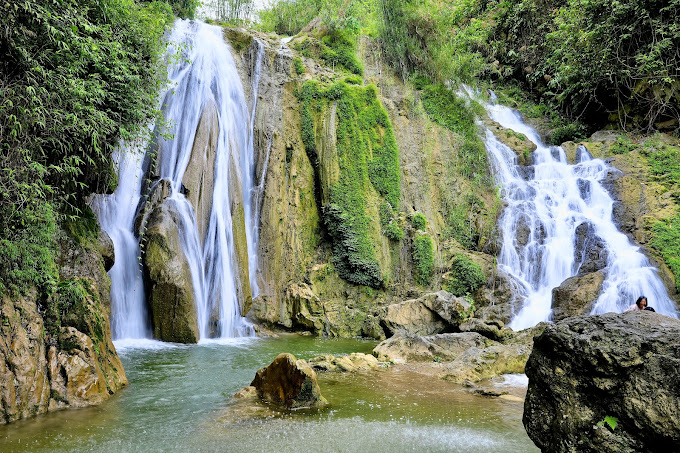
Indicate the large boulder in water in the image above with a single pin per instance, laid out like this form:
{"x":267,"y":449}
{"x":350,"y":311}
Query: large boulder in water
{"x":289,"y":383}
{"x":576,"y":295}
{"x":606,"y":383}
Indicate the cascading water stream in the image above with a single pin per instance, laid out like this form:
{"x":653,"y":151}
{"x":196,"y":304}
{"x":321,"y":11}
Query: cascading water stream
{"x":202,"y":73}
{"x":546,"y":204}
{"x":252,"y":212}
{"x":116,"y":213}
{"x":206,"y":74}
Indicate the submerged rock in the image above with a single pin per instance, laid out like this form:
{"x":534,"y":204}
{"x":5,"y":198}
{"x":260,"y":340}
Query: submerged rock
{"x":606,"y":383}
{"x":289,"y":383}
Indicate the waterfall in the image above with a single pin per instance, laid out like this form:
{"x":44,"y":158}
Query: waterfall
{"x":203,"y":78}
{"x":116,"y":213}
{"x":256,"y":185}
{"x":546,"y":205}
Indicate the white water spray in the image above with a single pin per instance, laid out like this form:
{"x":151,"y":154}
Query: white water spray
{"x":549,"y":205}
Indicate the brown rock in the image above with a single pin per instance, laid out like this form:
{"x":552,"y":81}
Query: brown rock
{"x":576,"y":295}
{"x":289,"y":383}
{"x":347,"y":363}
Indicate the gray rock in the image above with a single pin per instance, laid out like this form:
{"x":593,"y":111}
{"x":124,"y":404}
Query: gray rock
{"x":586,"y":368}
{"x":590,"y":252}
{"x":404,"y":347}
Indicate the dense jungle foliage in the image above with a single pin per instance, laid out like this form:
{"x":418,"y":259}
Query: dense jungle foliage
{"x":76,"y":77}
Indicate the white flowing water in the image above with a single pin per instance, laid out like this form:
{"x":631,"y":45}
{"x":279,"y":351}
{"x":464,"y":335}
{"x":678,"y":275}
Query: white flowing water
{"x":548,"y":206}
{"x":116,"y":213}
{"x":253,"y":184}
{"x":202,"y":71}
{"x":206,"y":73}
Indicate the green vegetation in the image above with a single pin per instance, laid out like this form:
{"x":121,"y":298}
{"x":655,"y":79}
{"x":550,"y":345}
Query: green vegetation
{"x":389,"y":224}
{"x":76,"y":77}
{"x":664,"y":161}
{"x":289,"y":17}
{"x":610,"y":421}
{"x":299,"y":66}
{"x":622,"y":145}
{"x":368,"y":157}
{"x":466,"y":276}
{"x":418,"y":221}
{"x":595,"y":60}
{"x":458,"y":115}
{"x":423,"y":259}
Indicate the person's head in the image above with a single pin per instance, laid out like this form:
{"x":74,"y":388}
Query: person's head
{"x":641,"y":302}
{"x":649,"y":309}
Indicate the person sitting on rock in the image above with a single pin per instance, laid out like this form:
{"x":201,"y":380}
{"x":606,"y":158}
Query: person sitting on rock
{"x":639,"y":304}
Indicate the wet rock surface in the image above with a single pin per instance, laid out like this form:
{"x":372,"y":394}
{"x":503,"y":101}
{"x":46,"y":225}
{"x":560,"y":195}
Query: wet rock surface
{"x":170,"y":287}
{"x":576,"y":295}
{"x":587,"y":368}
{"x":289,"y":383}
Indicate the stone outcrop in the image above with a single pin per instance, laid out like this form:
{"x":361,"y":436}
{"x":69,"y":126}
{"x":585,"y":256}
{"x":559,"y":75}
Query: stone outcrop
{"x":289,"y":383}
{"x":590,"y":252}
{"x":346,"y":363}
{"x":293,"y":248}
{"x":413,"y":348}
{"x":430,"y":314}
{"x":57,"y":353}
{"x":464,"y":356}
{"x":299,"y":309}
{"x":519,"y":143}
{"x":605,"y":383}
{"x":199,"y":175}
{"x":170,"y":287}
{"x":576,"y":295}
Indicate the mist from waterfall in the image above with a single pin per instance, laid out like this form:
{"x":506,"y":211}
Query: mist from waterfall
{"x":201,"y":71}
{"x":549,"y":201}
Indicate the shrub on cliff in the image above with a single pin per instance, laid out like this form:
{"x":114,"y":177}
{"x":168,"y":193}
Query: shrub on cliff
{"x":76,"y":77}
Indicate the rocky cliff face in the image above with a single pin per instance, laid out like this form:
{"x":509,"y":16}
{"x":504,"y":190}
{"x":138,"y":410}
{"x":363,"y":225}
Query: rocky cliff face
{"x":297,"y":265}
{"x":57,"y":353}
{"x":605,"y":383}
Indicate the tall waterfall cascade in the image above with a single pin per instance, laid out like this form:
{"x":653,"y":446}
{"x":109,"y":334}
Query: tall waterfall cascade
{"x":549,"y":203}
{"x":203,"y":84}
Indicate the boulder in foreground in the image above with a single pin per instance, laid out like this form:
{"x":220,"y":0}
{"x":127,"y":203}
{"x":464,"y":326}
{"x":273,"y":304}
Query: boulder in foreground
{"x":606,"y":383}
{"x":289,"y":383}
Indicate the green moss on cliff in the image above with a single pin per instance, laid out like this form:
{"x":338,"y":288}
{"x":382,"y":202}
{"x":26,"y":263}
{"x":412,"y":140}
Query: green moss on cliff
{"x":423,"y":259}
{"x":368,"y":157}
{"x":664,"y":161}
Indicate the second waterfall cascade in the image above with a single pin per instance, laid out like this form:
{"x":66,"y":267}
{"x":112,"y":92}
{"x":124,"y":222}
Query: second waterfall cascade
{"x":553,"y":203}
{"x":203,"y":162}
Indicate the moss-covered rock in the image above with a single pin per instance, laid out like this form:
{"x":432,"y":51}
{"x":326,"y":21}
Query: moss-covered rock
{"x":170,"y":288}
